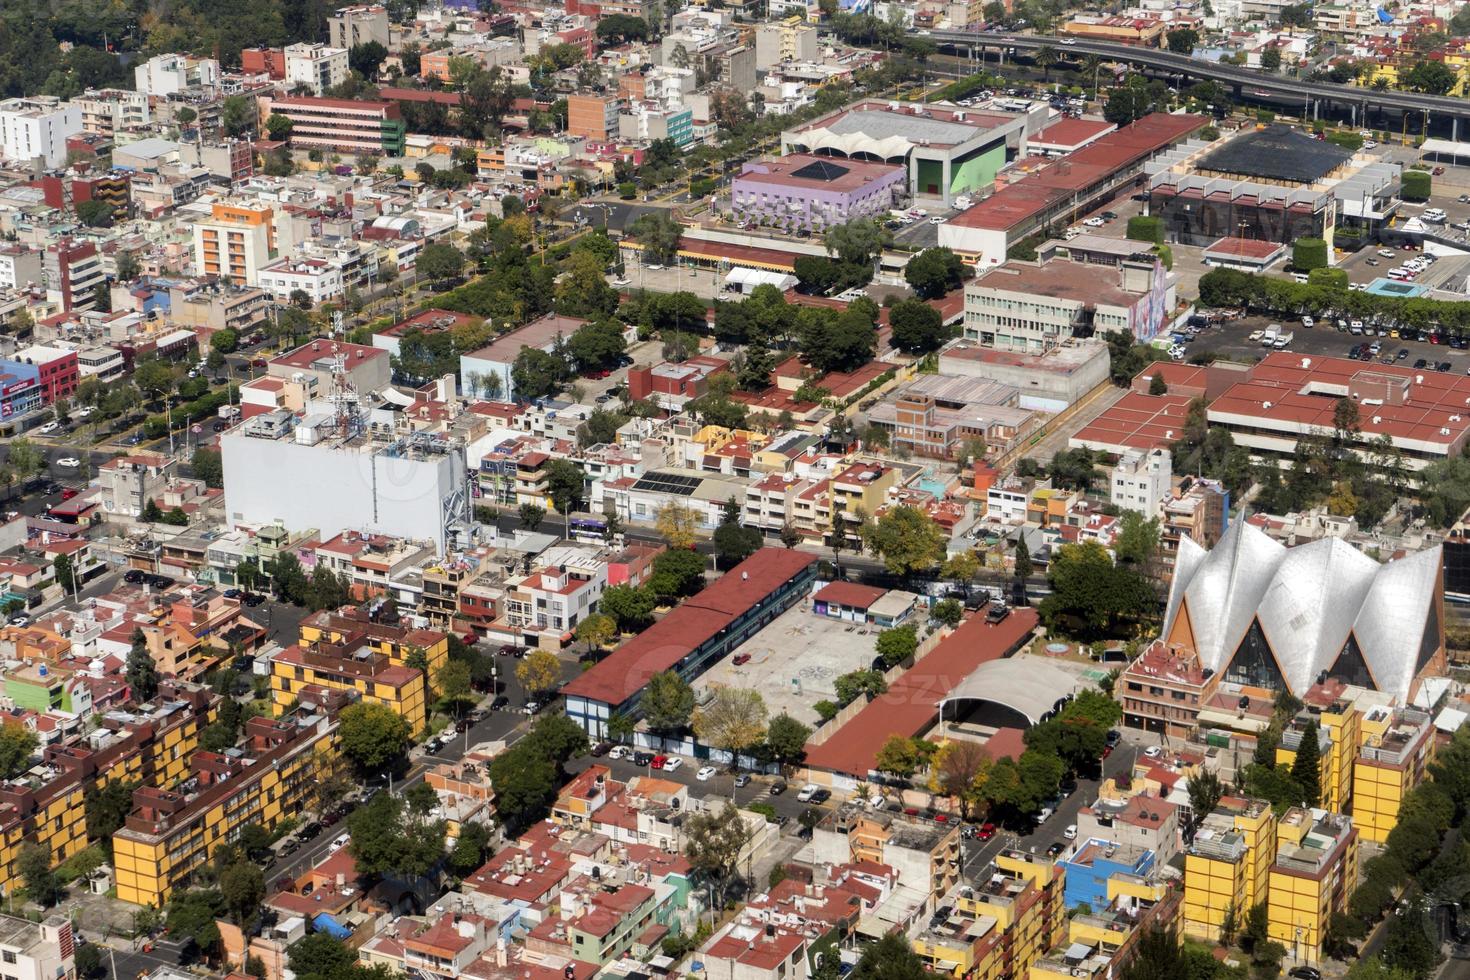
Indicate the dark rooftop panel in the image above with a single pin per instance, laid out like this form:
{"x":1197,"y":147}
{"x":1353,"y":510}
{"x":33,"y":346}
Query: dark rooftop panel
{"x":821,"y":170}
{"x":1277,"y":153}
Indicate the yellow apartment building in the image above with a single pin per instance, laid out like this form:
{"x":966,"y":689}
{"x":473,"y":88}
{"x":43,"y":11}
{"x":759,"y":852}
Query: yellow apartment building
{"x":296,"y":674}
{"x":1100,"y":944}
{"x":1023,"y":893}
{"x":1227,"y":867}
{"x":153,"y":751}
{"x":1315,"y":871}
{"x":170,"y":835}
{"x":1337,"y":742}
{"x":397,"y":643}
{"x":1397,"y":747}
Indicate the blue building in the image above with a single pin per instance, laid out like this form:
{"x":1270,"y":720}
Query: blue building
{"x":1094,"y":862}
{"x":20,"y":388}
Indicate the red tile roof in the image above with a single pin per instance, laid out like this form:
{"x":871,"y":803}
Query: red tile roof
{"x":661,"y":646}
{"x":850,"y":594}
{"x":1137,"y":421}
{"x":912,"y":703}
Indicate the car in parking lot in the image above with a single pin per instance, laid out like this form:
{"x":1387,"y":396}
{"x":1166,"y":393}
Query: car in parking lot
{"x":50,"y":427}
{"x":1094,"y":222}
{"x":133,"y":576}
{"x":1442,"y":366}
{"x":741,"y":659}
{"x":69,"y":462}
{"x":1387,"y":253}
{"x":706,"y":772}
{"x":1071,"y":832}
{"x":777,"y":788}
{"x":986,"y":831}
{"x":1403,"y":353}
{"x":1420,"y":364}
{"x":807,"y":792}
{"x":743,"y":779}
{"x":642,"y":758}
{"x":672,"y":762}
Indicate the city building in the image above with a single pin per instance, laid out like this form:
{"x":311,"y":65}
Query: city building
{"x":72,"y":271}
{"x":1095,"y":861}
{"x":235,"y":242}
{"x":411,"y":486}
{"x":1261,"y":614}
{"x":543,"y":608}
{"x":499,"y":357}
{"x":1141,"y":481}
{"x":692,"y":637}
{"x":1272,"y":184}
{"x":1029,"y":307}
{"x":1227,"y":865}
{"x":315,"y":66}
{"x":925,"y":855}
{"x":351,"y":26}
{"x":946,"y":151}
{"x":307,"y":675}
{"x":19,"y":266}
{"x":168,"y":75}
{"x":593,"y":117}
{"x":127,"y":483}
{"x":340,"y":125}
{"x":44,"y":950}
{"x":807,"y":193}
{"x":1397,"y":746}
{"x":20,"y":389}
{"x":1017,"y":904}
{"x":1048,"y":382}
{"x":35,"y":130}
{"x":170,"y":834}
{"x":1314,"y":874}
{"x":56,"y":367}
{"x":791,"y":39}
{"x":1286,"y":396}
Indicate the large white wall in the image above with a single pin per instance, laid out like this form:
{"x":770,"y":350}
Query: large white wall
{"x":335,"y":490}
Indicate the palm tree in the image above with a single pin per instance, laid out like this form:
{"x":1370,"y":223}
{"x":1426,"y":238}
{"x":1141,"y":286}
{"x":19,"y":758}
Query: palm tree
{"x":1093,"y":65}
{"x":1380,"y":82}
{"x":1045,"y":57}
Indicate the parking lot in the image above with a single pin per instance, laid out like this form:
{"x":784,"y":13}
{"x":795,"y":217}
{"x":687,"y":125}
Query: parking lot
{"x":795,"y":661}
{"x":1232,"y":342}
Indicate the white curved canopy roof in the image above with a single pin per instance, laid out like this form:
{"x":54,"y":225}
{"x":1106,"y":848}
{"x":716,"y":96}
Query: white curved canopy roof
{"x":851,"y":144}
{"x":1024,"y":684}
{"x":1309,"y":600}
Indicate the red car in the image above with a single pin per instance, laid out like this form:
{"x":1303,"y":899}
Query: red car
{"x":658,"y":762}
{"x":69,"y":492}
{"x":941,"y":818}
{"x":1107,"y":751}
{"x":987,"y":831}
{"x":741,"y":659}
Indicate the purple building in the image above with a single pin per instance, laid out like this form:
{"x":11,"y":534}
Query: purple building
{"x":802,"y":192}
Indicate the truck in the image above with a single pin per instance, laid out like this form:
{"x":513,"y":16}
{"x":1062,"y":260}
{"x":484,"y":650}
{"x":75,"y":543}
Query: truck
{"x":1282,"y":341}
{"x":1268,"y":337}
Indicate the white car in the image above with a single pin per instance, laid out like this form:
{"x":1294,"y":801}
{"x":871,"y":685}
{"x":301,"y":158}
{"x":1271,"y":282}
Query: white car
{"x":85,"y":412}
{"x":50,"y":427}
{"x":1043,"y":815}
{"x":656,"y":267}
{"x":1094,"y":222}
{"x":1256,"y":335}
{"x":807,"y":792}
{"x":621,"y":281}
{"x":1370,"y":145}
{"x":341,"y":842}
{"x":707,"y":772}
{"x":1071,"y":832}
{"x":70,"y":462}
{"x":672,"y":763}
{"x":1153,"y":752}
{"x":1386,"y":253}
{"x":617,"y":751}
{"x":1069,"y":41}
{"x":1308,"y":322}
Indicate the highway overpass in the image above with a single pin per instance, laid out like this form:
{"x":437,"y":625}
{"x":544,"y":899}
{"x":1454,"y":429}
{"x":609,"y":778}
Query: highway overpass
{"x":1314,"y":97}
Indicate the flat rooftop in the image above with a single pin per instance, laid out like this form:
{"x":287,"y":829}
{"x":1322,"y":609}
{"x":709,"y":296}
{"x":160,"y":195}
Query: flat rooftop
{"x":1138,"y":421}
{"x":539,"y":334}
{"x":909,"y":122}
{"x":817,"y":173}
{"x":1091,"y":285}
{"x":1276,"y":153}
{"x":796,"y":660}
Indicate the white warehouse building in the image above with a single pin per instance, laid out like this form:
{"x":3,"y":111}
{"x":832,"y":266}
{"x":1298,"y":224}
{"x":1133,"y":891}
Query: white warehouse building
{"x":314,"y":472}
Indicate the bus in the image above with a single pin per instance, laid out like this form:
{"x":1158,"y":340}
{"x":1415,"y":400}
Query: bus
{"x":586,"y":529}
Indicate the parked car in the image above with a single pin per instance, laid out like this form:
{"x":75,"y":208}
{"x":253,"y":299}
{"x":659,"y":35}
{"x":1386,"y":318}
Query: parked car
{"x":133,"y":576}
{"x":601,"y":749}
{"x":807,"y":792}
{"x":658,"y":762}
{"x":672,"y":762}
{"x":1071,"y":832}
{"x":642,"y":758}
{"x":741,"y":659}
{"x":777,"y":788}
{"x":742,"y":779}
{"x":69,"y":462}
{"x":705,"y":773}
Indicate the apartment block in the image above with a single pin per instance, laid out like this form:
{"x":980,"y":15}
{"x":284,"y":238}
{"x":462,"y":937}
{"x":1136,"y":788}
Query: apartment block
{"x":174,"y":74}
{"x":788,"y":40}
{"x":1397,"y":746}
{"x":72,"y":271}
{"x":1315,"y":872}
{"x":315,"y":66}
{"x":1227,"y":865}
{"x":1337,"y":745}
{"x":1140,"y":481}
{"x":925,"y":856}
{"x":311,"y":676}
{"x":35,"y":130}
{"x":43,"y":950}
{"x":593,"y":117}
{"x":1022,"y":894}
{"x":351,"y":26}
{"x":1099,"y":945}
{"x":235,"y":242}
{"x":57,"y":367}
{"x":170,"y":834}
{"x":19,"y":266}
{"x":108,"y":112}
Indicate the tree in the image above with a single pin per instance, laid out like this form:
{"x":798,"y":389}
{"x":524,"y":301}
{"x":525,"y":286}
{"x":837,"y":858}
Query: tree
{"x":1308,"y":254}
{"x":959,"y":769}
{"x":676,"y":523}
{"x":537,"y":374}
{"x":141,"y":673}
{"x":659,"y":235}
{"x":43,"y":885}
{"x":454,"y":684}
{"x":934,"y":272}
{"x":1205,"y":791}
{"x":734,"y":543}
{"x":539,"y":673}
{"x":192,"y":915}
{"x":1156,"y":385}
{"x":1091,"y":593}
{"x":1022,"y":559}
{"x":917,"y":327}
{"x":1271,"y":59}
{"x":858,"y":241}
{"x":1137,"y":540}
{"x":566,"y":485}
{"x":525,"y":784}
{"x":676,"y":573}
{"x":667,"y":703}
{"x":596,"y":631}
{"x":24,"y":459}
{"x":848,"y":687}
{"x":906,"y":538}
{"x":897,"y":757}
{"x":95,"y":213}
{"x":734,"y":719}
{"x":1416,"y":185}
{"x":583,"y":289}
{"x":1183,"y":40}
{"x":278,"y":127}
{"x":17,"y":745}
{"x":897,"y":644}
{"x":367,"y":58}
{"x":318,"y":956}
{"x":437,"y":262}
{"x":531,"y":516}
{"x":786,"y":738}
{"x":948,"y":612}
{"x":61,"y":567}
{"x":242,"y":886}
{"x":890,"y":958}
{"x":1408,"y":945}
{"x":1306,"y":768}
{"x":389,"y":838}
{"x":715,"y":839}
{"x":630,"y":606}
{"x":372,"y":735}
{"x":207,"y":465}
